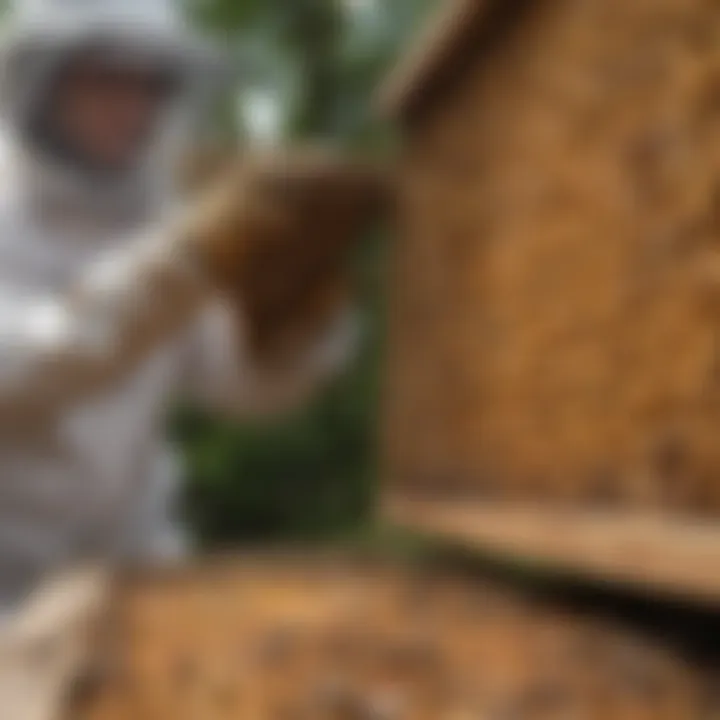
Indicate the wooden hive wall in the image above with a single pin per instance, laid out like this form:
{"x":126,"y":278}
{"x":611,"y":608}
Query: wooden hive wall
{"x":554,"y":323}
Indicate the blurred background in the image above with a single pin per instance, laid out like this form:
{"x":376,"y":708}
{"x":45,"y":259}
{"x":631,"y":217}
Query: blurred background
{"x":305,"y":69}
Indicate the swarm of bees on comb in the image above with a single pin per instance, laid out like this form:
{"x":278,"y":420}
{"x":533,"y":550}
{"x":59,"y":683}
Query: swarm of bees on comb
{"x":325,"y":641}
{"x":298,"y":215}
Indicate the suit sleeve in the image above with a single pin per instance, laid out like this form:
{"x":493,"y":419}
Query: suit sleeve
{"x":221,"y":375}
{"x":59,"y":350}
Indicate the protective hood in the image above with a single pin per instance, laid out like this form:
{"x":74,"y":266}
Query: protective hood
{"x":42,"y":34}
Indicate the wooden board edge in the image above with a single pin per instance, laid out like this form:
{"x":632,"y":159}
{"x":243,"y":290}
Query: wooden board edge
{"x":678,"y":558}
{"x":437,"y":40}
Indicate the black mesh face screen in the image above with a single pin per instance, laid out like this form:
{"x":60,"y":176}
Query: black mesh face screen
{"x":46,"y":134}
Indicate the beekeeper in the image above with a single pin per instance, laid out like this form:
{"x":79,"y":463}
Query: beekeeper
{"x":108,"y":307}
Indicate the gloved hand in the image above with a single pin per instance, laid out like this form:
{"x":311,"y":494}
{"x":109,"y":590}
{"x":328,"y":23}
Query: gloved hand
{"x":275,"y":236}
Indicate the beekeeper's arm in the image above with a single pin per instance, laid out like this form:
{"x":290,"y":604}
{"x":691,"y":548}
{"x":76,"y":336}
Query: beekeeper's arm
{"x":59,"y":350}
{"x":238,"y":244}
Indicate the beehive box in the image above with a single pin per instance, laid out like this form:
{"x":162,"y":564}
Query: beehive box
{"x":554,"y":332}
{"x":341,"y":638}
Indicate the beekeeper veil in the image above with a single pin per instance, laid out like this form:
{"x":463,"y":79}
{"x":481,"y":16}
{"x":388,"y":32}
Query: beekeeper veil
{"x":43,"y":37}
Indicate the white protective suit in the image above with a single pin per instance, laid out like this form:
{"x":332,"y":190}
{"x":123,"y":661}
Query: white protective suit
{"x":84,"y":467}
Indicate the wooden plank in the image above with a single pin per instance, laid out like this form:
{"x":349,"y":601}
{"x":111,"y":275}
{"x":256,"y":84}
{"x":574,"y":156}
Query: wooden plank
{"x":438,"y":40}
{"x":45,"y":646}
{"x":676,"y":556}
